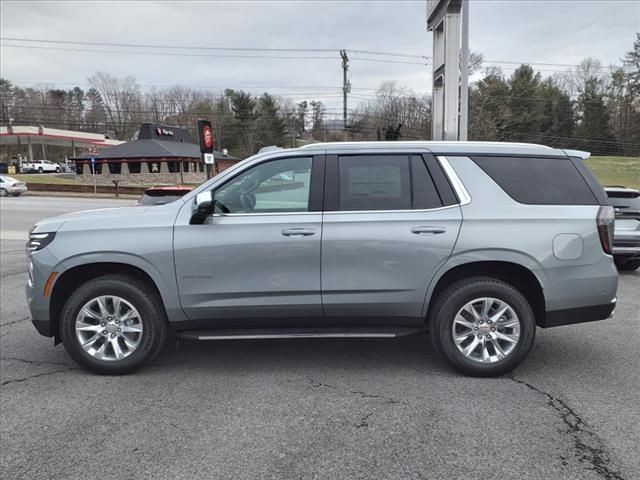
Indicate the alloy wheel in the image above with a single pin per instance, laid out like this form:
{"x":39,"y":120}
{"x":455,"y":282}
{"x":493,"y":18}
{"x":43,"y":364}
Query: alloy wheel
{"x":109,"y":328}
{"x":486,"y":330}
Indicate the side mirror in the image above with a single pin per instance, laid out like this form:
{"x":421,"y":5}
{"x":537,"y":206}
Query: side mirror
{"x":202,"y":207}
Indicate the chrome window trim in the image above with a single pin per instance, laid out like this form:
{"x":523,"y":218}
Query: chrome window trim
{"x":411,"y":210}
{"x":335,"y":212}
{"x":263,"y":214}
{"x":456,"y":183}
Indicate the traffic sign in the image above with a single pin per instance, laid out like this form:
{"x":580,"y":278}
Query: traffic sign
{"x":208,"y":158}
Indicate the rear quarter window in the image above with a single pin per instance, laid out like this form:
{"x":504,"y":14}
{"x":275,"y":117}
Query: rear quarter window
{"x":538,"y":181}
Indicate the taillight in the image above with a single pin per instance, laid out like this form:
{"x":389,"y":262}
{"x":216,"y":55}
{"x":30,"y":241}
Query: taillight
{"x":605,"y":222}
{"x":14,"y":184}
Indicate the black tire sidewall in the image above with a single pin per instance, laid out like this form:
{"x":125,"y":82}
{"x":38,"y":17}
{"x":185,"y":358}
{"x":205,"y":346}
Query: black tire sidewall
{"x":459,"y":294}
{"x":3,"y":192}
{"x":152,"y":316}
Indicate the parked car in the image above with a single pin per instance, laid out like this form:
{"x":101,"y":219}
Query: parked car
{"x":11,"y":186}
{"x":475,"y":243}
{"x":163,"y":194}
{"x":626,"y":238}
{"x":41,"y":166}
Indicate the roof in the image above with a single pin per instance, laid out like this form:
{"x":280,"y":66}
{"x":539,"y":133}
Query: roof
{"x":151,"y":148}
{"x":503,"y":148}
{"x":54,"y":136}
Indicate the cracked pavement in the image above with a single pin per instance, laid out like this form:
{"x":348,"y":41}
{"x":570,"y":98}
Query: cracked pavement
{"x":309,"y":409}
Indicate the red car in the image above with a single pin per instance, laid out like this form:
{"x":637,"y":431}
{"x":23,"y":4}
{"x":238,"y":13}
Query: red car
{"x":163,"y":194}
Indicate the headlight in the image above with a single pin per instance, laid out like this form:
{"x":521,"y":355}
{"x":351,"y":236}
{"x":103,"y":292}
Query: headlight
{"x":37,"y":241}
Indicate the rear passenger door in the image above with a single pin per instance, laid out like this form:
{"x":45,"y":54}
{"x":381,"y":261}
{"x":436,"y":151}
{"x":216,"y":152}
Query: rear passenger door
{"x":390,"y":221}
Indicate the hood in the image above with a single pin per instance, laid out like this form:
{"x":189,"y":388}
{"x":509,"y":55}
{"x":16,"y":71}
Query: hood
{"x":106,"y":216}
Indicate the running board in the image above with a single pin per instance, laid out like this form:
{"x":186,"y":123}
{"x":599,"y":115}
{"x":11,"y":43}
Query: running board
{"x":274,"y":333}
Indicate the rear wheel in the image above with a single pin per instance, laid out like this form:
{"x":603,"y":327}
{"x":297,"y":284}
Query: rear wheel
{"x":58,"y":170}
{"x":17,"y":194}
{"x":3,"y":192}
{"x":40,"y":170}
{"x":113,"y":325}
{"x":483,"y":326}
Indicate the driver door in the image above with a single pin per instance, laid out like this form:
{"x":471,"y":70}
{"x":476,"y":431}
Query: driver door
{"x":258,"y":256}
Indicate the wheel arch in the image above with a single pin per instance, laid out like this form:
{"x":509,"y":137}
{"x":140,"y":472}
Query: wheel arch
{"x":79,"y":274}
{"x":514,"y":273}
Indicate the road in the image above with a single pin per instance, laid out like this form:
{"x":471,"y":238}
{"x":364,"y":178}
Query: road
{"x":327,"y":409}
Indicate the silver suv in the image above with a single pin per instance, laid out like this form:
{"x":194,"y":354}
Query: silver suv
{"x":473,"y":243}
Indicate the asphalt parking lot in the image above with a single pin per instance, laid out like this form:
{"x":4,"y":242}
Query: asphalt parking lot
{"x":325,"y":409}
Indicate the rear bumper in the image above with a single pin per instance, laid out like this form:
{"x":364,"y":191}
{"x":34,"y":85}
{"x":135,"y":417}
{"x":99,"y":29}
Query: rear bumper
{"x":570,"y":316}
{"x":626,"y":251}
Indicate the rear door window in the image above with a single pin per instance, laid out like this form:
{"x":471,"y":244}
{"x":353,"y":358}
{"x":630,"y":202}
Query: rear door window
{"x":538,"y":181}
{"x":385,"y":182}
{"x":376,"y":182}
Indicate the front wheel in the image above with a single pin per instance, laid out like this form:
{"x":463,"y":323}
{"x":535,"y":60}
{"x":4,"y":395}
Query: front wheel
{"x":3,"y":192}
{"x":483,"y":326}
{"x":58,"y":170}
{"x":40,"y":170}
{"x":113,"y":325}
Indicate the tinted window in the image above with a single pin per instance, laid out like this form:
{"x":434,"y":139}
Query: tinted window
{"x":625,"y":200}
{"x":276,"y":186}
{"x":425,"y":194}
{"x":374,"y":182}
{"x":539,"y":181}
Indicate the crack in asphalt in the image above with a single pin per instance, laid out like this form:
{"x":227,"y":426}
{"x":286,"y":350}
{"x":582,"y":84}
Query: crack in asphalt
{"x":588,"y":446}
{"x":364,"y":421}
{"x":24,"y":379}
{"x":15,"y":321}
{"x":34,"y":362}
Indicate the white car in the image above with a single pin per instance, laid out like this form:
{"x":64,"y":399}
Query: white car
{"x":11,"y":186}
{"x":41,"y":166}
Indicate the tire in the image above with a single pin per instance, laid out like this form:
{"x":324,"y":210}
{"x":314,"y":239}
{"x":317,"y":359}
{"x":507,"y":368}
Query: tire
{"x":3,"y":192}
{"x":40,"y":170}
{"x":444,"y":323}
{"x":628,"y":265}
{"x":58,"y":170}
{"x":17,"y":194}
{"x":151,"y":318}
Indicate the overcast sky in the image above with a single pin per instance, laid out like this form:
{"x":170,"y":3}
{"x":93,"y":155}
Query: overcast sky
{"x":563,"y":32}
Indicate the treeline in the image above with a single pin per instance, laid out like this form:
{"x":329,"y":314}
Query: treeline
{"x":590,"y":107}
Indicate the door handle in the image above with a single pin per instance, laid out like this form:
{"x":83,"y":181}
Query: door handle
{"x":298,"y":232}
{"x":428,"y":230}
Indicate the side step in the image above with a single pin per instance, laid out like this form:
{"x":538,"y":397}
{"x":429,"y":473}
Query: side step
{"x":273,"y":333}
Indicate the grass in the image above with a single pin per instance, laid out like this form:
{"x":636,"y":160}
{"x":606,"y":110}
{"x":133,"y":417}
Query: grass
{"x":623,"y":171}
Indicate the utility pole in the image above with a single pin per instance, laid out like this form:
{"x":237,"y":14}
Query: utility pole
{"x":346,"y":88}
{"x":464,"y":73}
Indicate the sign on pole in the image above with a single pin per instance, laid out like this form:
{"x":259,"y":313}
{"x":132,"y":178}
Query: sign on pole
{"x":206,"y":144}
{"x":93,"y":171}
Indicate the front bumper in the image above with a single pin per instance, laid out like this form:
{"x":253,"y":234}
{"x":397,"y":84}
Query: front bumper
{"x":570,"y":316}
{"x":43,"y":327}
